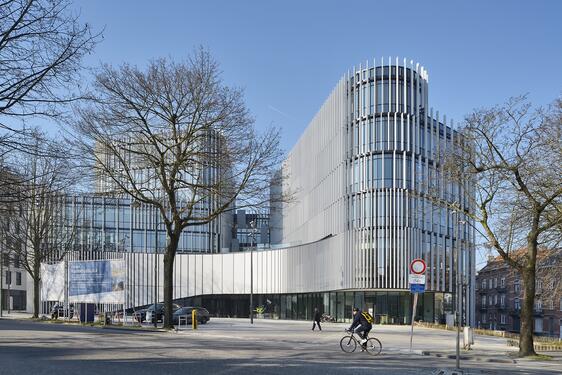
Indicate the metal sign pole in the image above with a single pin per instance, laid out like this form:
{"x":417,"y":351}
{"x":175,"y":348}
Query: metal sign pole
{"x":125,"y":285}
{"x":413,"y":317}
{"x":416,"y":280}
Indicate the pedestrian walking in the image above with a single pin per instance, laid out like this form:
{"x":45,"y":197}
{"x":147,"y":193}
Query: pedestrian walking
{"x":316,"y":319}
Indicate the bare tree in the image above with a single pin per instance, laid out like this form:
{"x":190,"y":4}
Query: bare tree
{"x":513,"y":155}
{"x":41,"y":47}
{"x":176,"y":137}
{"x":37,"y":231}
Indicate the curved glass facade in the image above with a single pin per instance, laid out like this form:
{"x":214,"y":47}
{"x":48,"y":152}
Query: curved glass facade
{"x":395,"y":180}
{"x":377,"y":135}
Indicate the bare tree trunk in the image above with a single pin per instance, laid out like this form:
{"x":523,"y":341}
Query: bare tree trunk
{"x":36,"y":291}
{"x":169,"y":258}
{"x":526,"y":346}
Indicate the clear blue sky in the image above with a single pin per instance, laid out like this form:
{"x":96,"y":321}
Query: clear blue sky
{"x":288,"y":55}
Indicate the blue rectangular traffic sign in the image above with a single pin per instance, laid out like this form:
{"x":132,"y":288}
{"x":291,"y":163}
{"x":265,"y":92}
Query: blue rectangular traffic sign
{"x":417,"y":288}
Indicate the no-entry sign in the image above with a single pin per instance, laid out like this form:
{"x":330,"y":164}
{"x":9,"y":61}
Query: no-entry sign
{"x":418,"y":266}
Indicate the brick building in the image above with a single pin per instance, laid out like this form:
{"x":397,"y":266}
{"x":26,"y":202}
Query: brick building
{"x":499,"y":296}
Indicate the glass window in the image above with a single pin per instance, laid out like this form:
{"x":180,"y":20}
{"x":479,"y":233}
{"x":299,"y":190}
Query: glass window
{"x":371,"y":135}
{"x":538,"y":325}
{"x":98,"y":216}
{"x":388,"y":171}
{"x":379,"y":96}
{"x":124,"y":217}
{"x":392,"y":95}
{"x":138,"y":240}
{"x":399,"y":171}
{"x":18,"y":278}
{"x":371,"y":97}
{"x":355,"y":139}
{"x":380,"y":133}
{"x":386,"y":99}
{"x":364,"y":100}
{"x":377,"y":170}
{"x":356,"y":103}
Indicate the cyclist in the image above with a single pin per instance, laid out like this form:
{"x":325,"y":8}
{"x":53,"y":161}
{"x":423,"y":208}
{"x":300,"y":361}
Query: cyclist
{"x":362,"y":324}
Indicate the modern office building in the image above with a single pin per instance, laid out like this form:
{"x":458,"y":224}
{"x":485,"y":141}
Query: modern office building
{"x":110,"y":224}
{"x":370,"y":196}
{"x":368,"y":172}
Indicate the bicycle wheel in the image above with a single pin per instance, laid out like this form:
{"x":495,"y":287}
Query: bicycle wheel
{"x":373,"y":346}
{"x":348,"y":344}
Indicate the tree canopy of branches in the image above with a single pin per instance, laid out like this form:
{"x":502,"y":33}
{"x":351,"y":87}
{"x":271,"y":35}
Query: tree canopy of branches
{"x":41,"y":47}
{"x":513,"y":153}
{"x":176,"y":137}
{"x":35,"y":232}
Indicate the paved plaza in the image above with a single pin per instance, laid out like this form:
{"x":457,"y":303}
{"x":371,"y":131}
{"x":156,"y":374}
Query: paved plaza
{"x":232,"y":346}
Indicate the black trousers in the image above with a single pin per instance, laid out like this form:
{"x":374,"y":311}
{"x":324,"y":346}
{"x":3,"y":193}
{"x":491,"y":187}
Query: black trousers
{"x":363,"y":331}
{"x":314,"y":323}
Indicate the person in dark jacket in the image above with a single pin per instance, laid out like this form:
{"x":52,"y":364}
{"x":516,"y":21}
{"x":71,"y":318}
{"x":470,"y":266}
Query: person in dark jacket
{"x":316,"y":319}
{"x":361,"y":326}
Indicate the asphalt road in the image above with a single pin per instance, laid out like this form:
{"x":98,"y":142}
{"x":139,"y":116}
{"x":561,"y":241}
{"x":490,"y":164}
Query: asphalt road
{"x":219,"y":348}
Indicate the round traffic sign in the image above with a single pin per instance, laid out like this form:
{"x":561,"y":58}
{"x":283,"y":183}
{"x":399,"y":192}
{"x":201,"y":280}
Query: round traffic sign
{"x":417,"y":266}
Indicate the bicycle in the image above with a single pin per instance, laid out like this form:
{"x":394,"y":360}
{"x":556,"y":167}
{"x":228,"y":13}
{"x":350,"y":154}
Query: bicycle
{"x":327,"y":319}
{"x":348,"y":344}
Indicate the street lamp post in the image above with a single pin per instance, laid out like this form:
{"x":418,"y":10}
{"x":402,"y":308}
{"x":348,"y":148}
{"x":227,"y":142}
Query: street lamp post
{"x":155,"y":266}
{"x":459,"y":297}
{"x":459,"y":283}
{"x":458,"y":290}
{"x":252,"y":234}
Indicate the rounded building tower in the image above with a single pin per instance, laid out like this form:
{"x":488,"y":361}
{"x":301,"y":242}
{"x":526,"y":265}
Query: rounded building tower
{"x":368,"y":170}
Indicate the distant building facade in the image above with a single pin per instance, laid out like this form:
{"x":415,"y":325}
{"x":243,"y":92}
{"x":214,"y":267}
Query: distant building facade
{"x":13,"y":277}
{"x":500,"y":296}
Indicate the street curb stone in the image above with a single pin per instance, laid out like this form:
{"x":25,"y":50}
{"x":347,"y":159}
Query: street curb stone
{"x":468,"y":358}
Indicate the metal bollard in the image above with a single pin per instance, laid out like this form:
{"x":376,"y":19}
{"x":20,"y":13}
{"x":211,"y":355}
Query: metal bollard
{"x":194,"y":319}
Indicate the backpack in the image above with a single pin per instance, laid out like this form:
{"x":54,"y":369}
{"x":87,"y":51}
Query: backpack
{"x":368,"y":317}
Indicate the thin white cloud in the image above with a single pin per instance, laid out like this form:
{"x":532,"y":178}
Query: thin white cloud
{"x":280,"y":112}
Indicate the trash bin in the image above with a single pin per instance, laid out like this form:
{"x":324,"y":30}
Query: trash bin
{"x":87,"y":312}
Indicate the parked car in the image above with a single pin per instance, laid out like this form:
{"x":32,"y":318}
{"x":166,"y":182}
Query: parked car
{"x":140,"y":315}
{"x":59,"y":311}
{"x":203,"y":315}
{"x":157,"y":313}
